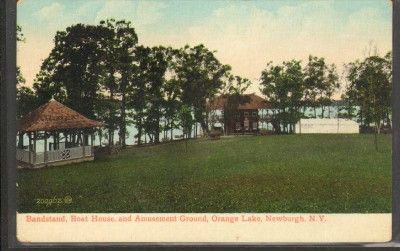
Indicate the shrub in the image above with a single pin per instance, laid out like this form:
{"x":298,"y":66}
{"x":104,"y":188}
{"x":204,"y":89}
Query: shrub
{"x":215,"y":134}
{"x":264,"y":132}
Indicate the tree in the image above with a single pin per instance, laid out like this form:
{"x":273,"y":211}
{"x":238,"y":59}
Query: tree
{"x":158,"y":64}
{"x":171,"y":104}
{"x":137,"y":99}
{"x":90,"y":69}
{"x":370,"y":88}
{"x":200,"y":77}
{"x":72,"y":71}
{"x":346,"y":108}
{"x":234,"y":90}
{"x":330,"y":86}
{"x":186,"y":121}
{"x":119,"y":60}
{"x":147,"y":97}
{"x":284,"y":87}
{"x":320,"y":82}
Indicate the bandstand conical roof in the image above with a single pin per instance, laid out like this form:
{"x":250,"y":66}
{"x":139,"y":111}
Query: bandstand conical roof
{"x":54,"y":116}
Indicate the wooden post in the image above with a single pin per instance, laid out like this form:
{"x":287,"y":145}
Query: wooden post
{"x":91,"y":143}
{"x":34,"y":147}
{"x":45,"y":148}
{"x":34,"y":141}
{"x":262,"y":118}
{"x":83,"y":144}
{"x":21,"y":140}
{"x":54,"y":141}
{"x":30,"y":147}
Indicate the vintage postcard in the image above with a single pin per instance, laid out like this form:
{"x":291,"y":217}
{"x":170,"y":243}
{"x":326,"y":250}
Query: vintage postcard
{"x":260,"y":121}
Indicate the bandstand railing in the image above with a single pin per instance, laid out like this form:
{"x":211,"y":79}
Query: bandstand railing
{"x":54,"y":155}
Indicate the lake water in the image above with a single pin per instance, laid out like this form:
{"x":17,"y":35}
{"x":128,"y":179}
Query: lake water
{"x":132,"y":131}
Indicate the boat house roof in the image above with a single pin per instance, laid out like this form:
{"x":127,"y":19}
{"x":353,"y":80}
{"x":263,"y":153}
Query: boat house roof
{"x":255,"y":102}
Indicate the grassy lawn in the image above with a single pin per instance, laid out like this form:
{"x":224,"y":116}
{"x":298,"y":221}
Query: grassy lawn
{"x":294,"y":173}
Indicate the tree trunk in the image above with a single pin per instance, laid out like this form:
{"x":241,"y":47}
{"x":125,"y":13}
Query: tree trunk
{"x":172,"y":129}
{"x":165,"y":129}
{"x":139,"y":135}
{"x":204,"y":127}
{"x":110,"y":137}
{"x":378,"y":127}
{"x":186,"y":143}
{"x":376,"y":138}
{"x":388,"y":120}
{"x":122,"y":126}
{"x":157,"y":133}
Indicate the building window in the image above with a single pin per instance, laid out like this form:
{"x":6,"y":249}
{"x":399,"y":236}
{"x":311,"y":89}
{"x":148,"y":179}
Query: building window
{"x":255,"y":113}
{"x":238,"y":126}
{"x":246,"y":114}
{"x":255,"y":126}
{"x":246,"y":124}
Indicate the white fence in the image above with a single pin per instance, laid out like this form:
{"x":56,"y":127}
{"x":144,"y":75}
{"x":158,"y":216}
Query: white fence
{"x":55,"y":155}
{"x":23,"y":155}
{"x":327,"y":126}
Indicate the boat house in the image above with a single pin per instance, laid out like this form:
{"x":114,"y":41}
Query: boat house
{"x":63,"y":134}
{"x":246,"y":117}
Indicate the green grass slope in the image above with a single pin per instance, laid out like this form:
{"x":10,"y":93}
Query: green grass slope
{"x":293,"y":173}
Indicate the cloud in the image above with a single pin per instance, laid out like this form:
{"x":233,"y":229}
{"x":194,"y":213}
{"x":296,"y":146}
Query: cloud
{"x":50,"y":13}
{"x":247,"y":37}
{"x":55,"y":16}
{"x":141,"y":13}
{"x":243,"y":34}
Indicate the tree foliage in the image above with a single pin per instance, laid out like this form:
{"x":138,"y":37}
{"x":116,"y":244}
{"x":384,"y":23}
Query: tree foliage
{"x":284,"y":87}
{"x":320,"y":83}
{"x":102,"y":72}
{"x":200,"y":76}
{"x":72,"y":72}
{"x":369,"y":88}
{"x":234,"y":90}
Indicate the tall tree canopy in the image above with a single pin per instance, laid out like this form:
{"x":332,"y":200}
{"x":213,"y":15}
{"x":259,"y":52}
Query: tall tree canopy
{"x":283,"y":85}
{"x":72,"y":72}
{"x":91,"y":69}
{"x":321,"y":81}
{"x":120,"y":72}
{"x":201,"y":77}
{"x":234,"y":90}
{"x":157,"y":67}
{"x":369,"y":88}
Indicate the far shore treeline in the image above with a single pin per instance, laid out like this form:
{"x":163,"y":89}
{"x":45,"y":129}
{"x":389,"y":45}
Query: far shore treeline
{"x":102,"y":72}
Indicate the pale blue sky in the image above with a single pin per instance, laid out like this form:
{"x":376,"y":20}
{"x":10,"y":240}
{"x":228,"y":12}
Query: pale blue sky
{"x":246,"y":34}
